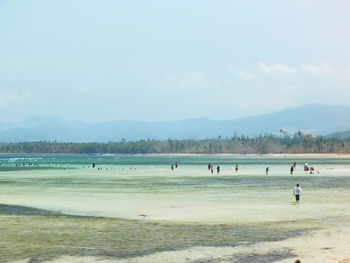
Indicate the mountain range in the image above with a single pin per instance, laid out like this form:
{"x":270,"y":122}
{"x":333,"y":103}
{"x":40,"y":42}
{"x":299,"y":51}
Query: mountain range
{"x":316,"y":119}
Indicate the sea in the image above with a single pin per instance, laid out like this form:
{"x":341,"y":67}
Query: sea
{"x":135,"y":208}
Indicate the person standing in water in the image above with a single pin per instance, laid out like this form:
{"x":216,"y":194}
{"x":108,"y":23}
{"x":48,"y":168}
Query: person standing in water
{"x":209,"y":165}
{"x":172,"y":166}
{"x":297,"y":192}
{"x":176,"y":165}
{"x":218,"y":169}
{"x":211,"y":169}
{"x":291,"y":169}
{"x":236,"y":167}
{"x":267,"y":170}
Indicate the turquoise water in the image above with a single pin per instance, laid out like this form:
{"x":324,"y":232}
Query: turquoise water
{"x":136,"y":205}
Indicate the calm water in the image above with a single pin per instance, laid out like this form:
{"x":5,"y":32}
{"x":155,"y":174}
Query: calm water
{"x":136,"y":205}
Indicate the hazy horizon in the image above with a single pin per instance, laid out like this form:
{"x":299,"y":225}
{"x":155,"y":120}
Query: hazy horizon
{"x":109,"y":60}
{"x":168,"y":120}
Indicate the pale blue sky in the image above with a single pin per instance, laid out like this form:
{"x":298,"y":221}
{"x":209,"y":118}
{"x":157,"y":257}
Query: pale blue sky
{"x":160,"y":60}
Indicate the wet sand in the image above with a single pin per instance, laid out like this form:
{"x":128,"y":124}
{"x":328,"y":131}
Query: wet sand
{"x":322,"y":246}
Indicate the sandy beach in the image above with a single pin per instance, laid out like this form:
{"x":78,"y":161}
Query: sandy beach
{"x":269,"y":155}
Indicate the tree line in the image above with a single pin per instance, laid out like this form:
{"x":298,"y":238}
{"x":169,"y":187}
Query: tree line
{"x":263,"y":144}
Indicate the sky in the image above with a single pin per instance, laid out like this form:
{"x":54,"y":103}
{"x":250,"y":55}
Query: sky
{"x":108,"y":60}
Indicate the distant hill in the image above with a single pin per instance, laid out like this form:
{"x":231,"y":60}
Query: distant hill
{"x":315,"y":119}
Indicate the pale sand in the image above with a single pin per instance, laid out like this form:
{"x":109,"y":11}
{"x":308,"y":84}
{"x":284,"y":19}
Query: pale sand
{"x":269,"y":155}
{"x":320,"y":246}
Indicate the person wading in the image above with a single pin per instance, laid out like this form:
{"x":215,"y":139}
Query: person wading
{"x":297,"y":193}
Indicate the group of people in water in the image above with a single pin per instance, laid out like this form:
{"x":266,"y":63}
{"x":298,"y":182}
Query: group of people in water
{"x":267,"y":170}
{"x":307,"y":169}
{"x":297,"y":190}
{"x":172,"y":166}
{"x":211,"y":168}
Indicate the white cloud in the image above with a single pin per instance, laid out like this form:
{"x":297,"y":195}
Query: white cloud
{"x":321,"y":69}
{"x":276,"y":68}
{"x":193,"y":79}
{"x":8,"y":96}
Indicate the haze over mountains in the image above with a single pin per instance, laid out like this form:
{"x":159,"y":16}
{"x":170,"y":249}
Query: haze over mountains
{"x":315,"y":119}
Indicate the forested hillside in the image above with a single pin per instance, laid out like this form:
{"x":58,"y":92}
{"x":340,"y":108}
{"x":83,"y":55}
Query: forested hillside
{"x":298,"y":143}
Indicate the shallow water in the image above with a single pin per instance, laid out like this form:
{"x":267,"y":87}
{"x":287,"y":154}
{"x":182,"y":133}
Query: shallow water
{"x":135,"y":205}
{"x":47,"y":236}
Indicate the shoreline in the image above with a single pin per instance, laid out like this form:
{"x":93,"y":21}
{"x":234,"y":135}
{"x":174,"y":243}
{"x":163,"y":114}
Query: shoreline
{"x":267,"y":155}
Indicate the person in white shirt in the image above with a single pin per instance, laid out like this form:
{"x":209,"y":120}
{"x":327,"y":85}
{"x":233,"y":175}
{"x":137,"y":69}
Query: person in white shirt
{"x":297,"y":192}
